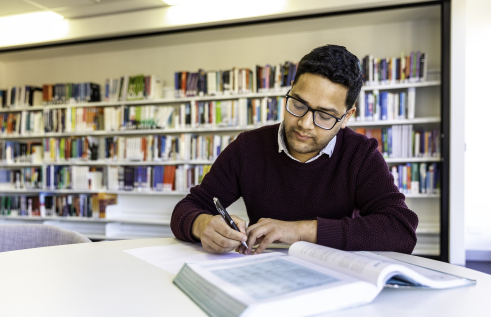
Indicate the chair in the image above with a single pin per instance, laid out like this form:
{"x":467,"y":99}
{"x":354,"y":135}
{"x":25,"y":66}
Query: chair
{"x":27,"y":236}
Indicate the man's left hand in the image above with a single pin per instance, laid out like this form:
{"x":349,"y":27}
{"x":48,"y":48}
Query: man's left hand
{"x":267,"y":231}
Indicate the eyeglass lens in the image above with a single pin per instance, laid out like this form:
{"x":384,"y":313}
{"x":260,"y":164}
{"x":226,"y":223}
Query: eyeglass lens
{"x":298,"y":109}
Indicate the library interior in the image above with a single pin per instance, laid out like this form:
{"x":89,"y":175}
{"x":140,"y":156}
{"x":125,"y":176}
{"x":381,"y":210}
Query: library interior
{"x":244,"y":157}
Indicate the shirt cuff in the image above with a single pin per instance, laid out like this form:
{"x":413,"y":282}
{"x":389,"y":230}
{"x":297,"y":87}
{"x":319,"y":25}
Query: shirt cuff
{"x":330,"y":233}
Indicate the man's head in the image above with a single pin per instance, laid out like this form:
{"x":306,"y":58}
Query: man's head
{"x":327,"y":79}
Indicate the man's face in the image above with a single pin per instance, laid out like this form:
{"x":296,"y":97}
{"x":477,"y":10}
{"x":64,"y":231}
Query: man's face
{"x":304,"y":139}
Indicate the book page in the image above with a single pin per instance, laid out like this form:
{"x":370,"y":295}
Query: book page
{"x":349,"y":263}
{"x":267,"y":276}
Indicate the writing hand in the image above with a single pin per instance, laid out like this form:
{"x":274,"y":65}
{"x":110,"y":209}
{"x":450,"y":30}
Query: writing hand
{"x":216,"y":235}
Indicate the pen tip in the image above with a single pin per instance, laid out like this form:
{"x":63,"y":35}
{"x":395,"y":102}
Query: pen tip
{"x":215,"y":199}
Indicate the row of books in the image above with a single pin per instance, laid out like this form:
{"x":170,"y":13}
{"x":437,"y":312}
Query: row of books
{"x":376,"y":106}
{"x":23,"y":178}
{"x":156,"y":178}
{"x":134,"y":149}
{"x":20,"y":152}
{"x":402,"y":141}
{"x":411,"y":68}
{"x":20,"y":96}
{"x":138,"y":87}
{"x":70,"y":149}
{"x":49,"y":205}
{"x":274,"y":77}
{"x":74,"y":177}
{"x":225,"y":113}
{"x":70,"y":93}
{"x":211,"y":83}
{"x":73,"y":119}
{"x":417,"y":178}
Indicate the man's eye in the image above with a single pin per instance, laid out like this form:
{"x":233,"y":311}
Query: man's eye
{"x":324,"y":116}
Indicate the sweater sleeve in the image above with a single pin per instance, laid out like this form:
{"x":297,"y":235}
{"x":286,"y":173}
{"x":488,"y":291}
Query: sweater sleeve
{"x":385,"y":222}
{"x":222,"y":181}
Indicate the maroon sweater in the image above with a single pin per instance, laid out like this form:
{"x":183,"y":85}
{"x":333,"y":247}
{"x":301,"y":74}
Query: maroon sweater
{"x":328,"y":189}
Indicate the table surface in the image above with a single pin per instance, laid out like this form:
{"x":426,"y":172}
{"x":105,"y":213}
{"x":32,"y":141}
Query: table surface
{"x":99,"y":279}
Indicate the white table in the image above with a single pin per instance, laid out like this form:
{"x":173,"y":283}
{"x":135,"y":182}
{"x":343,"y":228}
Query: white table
{"x":99,"y":279}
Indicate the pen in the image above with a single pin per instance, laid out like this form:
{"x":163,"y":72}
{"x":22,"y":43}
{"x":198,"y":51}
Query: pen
{"x":227,"y":217}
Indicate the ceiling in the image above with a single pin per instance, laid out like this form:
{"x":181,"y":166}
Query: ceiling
{"x":72,"y":9}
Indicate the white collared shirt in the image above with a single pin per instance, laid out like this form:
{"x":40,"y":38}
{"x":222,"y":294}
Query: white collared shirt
{"x":328,"y":149}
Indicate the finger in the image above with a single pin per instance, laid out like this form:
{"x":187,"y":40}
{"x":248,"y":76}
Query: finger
{"x":225,"y":243}
{"x":215,"y":247}
{"x":241,"y":224}
{"x":267,"y":240}
{"x":222,"y":228}
{"x":254,"y":226}
{"x":256,"y":234}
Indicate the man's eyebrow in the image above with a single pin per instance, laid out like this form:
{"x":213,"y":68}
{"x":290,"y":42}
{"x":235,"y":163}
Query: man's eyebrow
{"x":336,"y":112}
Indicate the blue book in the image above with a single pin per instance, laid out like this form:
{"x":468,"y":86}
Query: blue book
{"x":400,"y":171}
{"x":384,"y":104}
{"x":402,"y":105}
{"x":389,"y":141}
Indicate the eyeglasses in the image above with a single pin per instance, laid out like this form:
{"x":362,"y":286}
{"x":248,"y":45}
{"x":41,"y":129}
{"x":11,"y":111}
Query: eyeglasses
{"x":321,"y":119}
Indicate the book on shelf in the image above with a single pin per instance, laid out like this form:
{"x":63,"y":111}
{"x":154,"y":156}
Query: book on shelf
{"x":403,"y":141}
{"x":213,"y":83}
{"x":137,"y":87}
{"x":156,"y":178}
{"x":23,"y":178}
{"x":404,"y":69}
{"x":310,"y":280}
{"x":71,"y":93}
{"x":74,"y":177}
{"x":417,"y":178}
{"x":20,"y":96}
{"x":275,"y":77}
{"x":91,"y":206}
{"x":383,"y":106}
{"x":20,"y":152}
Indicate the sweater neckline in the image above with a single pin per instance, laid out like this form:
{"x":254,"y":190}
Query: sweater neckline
{"x":319,"y":162}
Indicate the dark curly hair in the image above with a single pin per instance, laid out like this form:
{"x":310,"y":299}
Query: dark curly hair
{"x":338,"y":65}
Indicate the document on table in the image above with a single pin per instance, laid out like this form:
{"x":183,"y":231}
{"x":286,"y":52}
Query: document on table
{"x":172,"y":257}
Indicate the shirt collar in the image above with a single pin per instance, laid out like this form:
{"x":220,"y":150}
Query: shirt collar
{"x":328,"y":149}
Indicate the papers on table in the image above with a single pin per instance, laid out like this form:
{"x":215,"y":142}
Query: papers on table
{"x":172,"y":257}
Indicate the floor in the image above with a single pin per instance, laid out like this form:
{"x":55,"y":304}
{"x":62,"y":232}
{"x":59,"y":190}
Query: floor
{"x":480,"y":266}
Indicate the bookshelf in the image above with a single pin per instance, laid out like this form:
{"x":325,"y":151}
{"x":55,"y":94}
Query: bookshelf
{"x":416,"y":27}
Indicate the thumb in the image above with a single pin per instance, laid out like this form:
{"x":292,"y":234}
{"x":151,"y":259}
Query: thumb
{"x":241,"y":224}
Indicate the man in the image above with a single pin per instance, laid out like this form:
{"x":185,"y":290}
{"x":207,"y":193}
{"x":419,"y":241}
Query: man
{"x":302,"y":180}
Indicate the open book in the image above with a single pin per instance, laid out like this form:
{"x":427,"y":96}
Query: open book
{"x":311,"y":279}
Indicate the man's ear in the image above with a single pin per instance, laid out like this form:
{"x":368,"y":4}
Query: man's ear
{"x":292,"y":82}
{"x":346,"y":118}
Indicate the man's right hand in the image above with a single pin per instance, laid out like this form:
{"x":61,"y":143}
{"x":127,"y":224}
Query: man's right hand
{"x":216,"y":235}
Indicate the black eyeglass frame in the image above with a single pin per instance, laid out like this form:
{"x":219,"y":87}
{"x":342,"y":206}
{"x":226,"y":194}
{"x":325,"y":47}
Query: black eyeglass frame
{"x":287,"y":96}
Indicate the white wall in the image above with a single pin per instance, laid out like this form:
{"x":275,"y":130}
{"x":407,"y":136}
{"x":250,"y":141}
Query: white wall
{"x":226,"y":48}
{"x":477,"y":118}
{"x":200,"y":13}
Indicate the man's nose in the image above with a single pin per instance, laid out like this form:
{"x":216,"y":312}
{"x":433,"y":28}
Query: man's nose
{"x":306,"y":122}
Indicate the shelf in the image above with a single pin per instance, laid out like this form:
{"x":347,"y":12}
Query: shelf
{"x":427,"y":249}
{"x":14,"y":165}
{"x":277,"y":93}
{"x":400,"y":85}
{"x":414,"y":159}
{"x":428,"y":228}
{"x":149,"y":221}
{"x":82,"y":191}
{"x":394,"y":122}
{"x":136,"y":132}
{"x":132,"y":163}
{"x":150,"y":193}
{"x":422,"y":195}
{"x":205,"y":129}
